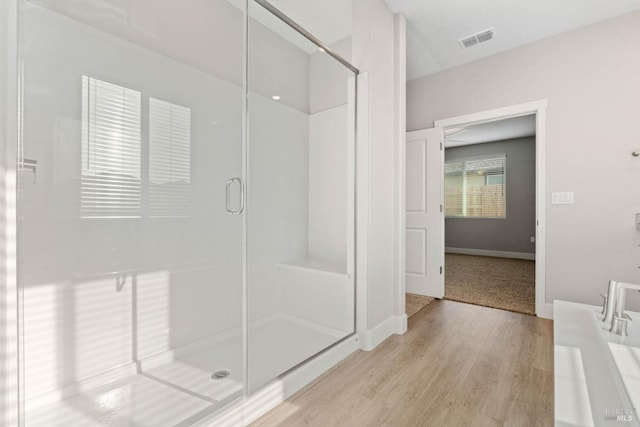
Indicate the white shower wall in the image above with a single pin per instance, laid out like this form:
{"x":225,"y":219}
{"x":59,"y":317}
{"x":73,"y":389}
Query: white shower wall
{"x":178,"y":281}
{"x":328,"y":178}
{"x":277,"y":205}
{"x":328,"y":155}
{"x":105,"y":296}
{"x":172,"y":286}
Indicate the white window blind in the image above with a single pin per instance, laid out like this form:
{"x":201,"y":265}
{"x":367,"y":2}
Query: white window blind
{"x":475,"y":187}
{"x":169,"y":159}
{"x":110,"y":184}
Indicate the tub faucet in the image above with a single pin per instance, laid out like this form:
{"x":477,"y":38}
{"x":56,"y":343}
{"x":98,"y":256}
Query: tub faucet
{"x":614,"y":314}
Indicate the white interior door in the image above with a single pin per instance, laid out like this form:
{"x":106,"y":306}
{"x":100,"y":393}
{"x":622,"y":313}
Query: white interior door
{"x":424,"y":232}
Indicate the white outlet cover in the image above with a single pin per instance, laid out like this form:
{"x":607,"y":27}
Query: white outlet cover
{"x":562,"y":198}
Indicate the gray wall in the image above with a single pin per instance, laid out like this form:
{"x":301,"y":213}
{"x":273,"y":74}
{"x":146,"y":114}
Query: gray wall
{"x":590,"y":79}
{"x":513,"y":233}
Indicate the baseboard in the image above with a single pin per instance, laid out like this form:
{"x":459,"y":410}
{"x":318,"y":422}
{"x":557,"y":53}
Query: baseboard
{"x":486,"y":252}
{"x":546,"y":312}
{"x":259,"y":403}
{"x":373,"y":337}
{"x":401,"y":324}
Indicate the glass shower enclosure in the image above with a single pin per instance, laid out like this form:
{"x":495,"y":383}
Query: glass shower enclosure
{"x":186,"y":202}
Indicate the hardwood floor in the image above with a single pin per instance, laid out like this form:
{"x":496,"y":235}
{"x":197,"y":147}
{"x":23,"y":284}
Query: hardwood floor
{"x":457,"y":365}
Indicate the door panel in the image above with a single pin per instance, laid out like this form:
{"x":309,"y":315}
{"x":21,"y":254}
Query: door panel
{"x":300,"y":273}
{"x":424,"y":242}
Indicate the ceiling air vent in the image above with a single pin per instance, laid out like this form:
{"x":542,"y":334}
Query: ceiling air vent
{"x":474,"y":39}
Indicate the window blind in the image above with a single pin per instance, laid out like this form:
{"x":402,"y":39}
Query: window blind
{"x":169,"y":159}
{"x":110,"y":182}
{"x":475,"y":187}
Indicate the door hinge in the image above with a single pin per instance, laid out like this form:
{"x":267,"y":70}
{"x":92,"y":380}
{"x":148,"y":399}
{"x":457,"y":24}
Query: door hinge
{"x":441,"y":146}
{"x":441,"y":208}
{"x":440,"y":269}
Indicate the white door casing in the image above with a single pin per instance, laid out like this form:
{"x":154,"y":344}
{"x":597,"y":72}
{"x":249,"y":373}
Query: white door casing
{"x":424,"y":226}
{"x":543,"y":308}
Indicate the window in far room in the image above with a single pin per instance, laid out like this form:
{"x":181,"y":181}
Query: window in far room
{"x":475,"y":187}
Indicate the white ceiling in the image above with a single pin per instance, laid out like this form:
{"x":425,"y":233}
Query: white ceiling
{"x":499,"y":130}
{"x":434,"y":26}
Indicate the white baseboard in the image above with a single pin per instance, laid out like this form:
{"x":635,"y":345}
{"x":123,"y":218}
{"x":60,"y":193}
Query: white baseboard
{"x":401,"y":324}
{"x":373,"y":337}
{"x":254,"y":406}
{"x":485,"y":252}
{"x":547,"y":311}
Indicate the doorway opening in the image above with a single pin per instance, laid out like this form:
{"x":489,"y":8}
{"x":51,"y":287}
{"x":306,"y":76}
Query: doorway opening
{"x":483,"y":120}
{"x":489,"y":206}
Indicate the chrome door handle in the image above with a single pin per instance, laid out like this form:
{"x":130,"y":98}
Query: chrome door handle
{"x":228,"y":193}
{"x":31,"y":166}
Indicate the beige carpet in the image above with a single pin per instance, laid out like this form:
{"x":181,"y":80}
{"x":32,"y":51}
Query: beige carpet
{"x":414,"y":303}
{"x":508,"y":284}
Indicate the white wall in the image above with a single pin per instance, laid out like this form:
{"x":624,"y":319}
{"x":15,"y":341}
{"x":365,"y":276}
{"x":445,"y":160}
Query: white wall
{"x":328,"y":78}
{"x":198,"y":33}
{"x":328,"y":149}
{"x":590,"y":78}
{"x":78,"y":316}
{"x":182,"y":275}
{"x":373,"y":52}
{"x":172,"y":271}
{"x":277,"y":216}
{"x":328,"y":142}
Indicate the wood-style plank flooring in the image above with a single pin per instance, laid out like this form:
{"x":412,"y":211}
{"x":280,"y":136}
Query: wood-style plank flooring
{"x":457,"y":365}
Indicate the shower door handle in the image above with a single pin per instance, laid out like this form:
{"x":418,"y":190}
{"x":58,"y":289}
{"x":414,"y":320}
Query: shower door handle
{"x":228,"y":193}
{"x":31,"y":166}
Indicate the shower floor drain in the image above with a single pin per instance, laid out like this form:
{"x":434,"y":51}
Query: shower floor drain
{"x":220,"y":375}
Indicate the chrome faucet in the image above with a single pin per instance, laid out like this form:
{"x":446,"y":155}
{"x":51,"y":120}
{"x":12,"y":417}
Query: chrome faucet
{"x":614,"y":306}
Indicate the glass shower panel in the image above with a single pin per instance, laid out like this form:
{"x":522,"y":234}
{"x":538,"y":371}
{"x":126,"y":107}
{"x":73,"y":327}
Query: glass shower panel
{"x":300,"y":201}
{"x":131,"y":267}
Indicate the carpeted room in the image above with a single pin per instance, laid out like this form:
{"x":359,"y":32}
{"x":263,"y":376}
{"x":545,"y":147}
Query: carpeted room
{"x":489,"y":186}
{"x":489,"y":189}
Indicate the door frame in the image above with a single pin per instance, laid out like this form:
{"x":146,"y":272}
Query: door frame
{"x":538,"y":107}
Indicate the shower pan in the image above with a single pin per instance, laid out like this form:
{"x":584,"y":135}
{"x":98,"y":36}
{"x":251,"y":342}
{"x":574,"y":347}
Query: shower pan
{"x":186,"y":203}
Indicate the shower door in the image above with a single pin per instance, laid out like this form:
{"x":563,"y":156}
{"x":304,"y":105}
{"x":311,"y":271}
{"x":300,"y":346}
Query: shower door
{"x":300,"y":217}
{"x":131,"y":232}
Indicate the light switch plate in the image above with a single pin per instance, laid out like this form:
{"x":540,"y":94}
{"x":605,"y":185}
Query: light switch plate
{"x":562,"y":198}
